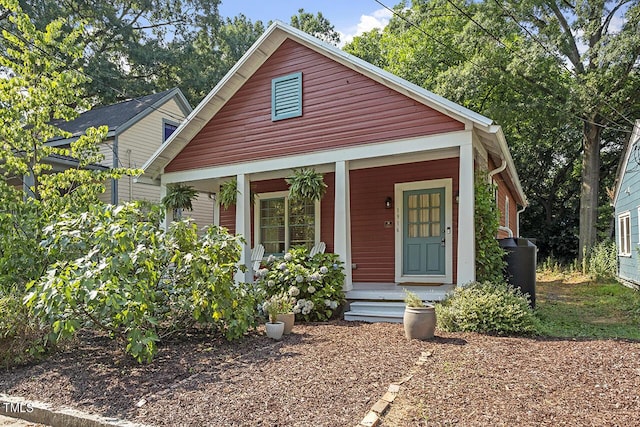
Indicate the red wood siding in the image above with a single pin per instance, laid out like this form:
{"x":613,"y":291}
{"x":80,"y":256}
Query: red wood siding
{"x":373,"y":245}
{"x":340,"y":108}
{"x":504,"y":191}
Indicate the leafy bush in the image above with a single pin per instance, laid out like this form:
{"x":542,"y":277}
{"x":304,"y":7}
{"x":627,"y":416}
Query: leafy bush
{"x":117,"y":271}
{"x":487,"y":308}
{"x":489,"y":255}
{"x":22,"y":338}
{"x":602,"y":260}
{"x":315,"y":283}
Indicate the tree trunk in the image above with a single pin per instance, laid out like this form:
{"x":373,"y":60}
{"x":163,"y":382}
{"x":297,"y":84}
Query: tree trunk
{"x":590,"y":187}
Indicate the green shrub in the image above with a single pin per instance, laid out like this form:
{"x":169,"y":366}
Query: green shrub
{"x":119,"y":272}
{"x":22,"y":338}
{"x":489,"y":255}
{"x":315,"y":283}
{"x":602,"y":260}
{"x":487,"y":307}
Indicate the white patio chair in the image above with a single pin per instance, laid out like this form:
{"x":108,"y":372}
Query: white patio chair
{"x":318,"y":249}
{"x":256,"y":257}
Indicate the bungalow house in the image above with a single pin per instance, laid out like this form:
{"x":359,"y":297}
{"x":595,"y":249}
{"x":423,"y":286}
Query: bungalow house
{"x":398,"y":160}
{"x":137,"y":128}
{"x":626,"y":203}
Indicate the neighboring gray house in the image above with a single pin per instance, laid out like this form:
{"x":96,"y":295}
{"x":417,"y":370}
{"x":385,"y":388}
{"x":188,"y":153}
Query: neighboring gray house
{"x":626,"y":202}
{"x":137,"y":128}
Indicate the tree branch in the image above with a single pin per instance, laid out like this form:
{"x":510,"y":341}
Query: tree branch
{"x":573,"y":54}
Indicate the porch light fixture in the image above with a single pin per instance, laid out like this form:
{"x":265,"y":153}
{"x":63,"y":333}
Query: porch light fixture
{"x":388,"y":203}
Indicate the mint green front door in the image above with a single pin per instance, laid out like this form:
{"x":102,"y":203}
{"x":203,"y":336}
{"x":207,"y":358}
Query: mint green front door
{"x":424,"y":232}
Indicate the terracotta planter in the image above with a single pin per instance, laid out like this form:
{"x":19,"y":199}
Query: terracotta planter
{"x":275,"y":330}
{"x":288,"y":319}
{"x":419,"y":322}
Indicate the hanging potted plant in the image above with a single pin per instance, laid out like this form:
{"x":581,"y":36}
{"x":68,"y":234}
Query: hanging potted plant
{"x":228,"y":193}
{"x":419,"y":318}
{"x":179,"y":197}
{"x":306,"y":184}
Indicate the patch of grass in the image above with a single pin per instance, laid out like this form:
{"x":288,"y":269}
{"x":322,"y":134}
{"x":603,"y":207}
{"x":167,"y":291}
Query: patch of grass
{"x":587,"y":309}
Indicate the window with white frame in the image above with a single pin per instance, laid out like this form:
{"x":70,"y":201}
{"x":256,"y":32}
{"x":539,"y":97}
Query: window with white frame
{"x":624,"y":234}
{"x":281,"y":223}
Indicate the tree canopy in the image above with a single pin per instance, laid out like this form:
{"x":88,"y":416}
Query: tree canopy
{"x":558,"y":76}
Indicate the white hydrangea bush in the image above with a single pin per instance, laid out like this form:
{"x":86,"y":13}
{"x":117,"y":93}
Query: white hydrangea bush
{"x":314,"y":282}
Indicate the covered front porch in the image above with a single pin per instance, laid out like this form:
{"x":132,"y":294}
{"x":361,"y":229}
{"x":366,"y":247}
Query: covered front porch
{"x":371,"y":215}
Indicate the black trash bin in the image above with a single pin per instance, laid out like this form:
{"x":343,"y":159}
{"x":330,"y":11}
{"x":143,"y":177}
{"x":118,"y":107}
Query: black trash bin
{"x":520,"y":271}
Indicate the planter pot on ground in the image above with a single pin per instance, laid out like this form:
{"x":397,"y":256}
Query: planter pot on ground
{"x":419,"y":322}
{"x":275,"y":330}
{"x":287,"y":319}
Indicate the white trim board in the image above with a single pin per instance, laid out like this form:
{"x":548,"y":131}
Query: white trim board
{"x":412,"y":146}
{"x":399,"y":188}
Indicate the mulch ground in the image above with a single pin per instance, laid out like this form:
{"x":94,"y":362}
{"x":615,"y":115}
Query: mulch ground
{"x":331,"y":374}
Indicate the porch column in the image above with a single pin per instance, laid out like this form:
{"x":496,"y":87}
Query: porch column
{"x":466,"y":225}
{"x":243,"y":226}
{"x":216,"y":205}
{"x":168,"y":212}
{"x":342,"y":221}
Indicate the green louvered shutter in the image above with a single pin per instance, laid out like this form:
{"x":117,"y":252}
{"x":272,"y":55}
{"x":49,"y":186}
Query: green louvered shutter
{"x":286,"y":97}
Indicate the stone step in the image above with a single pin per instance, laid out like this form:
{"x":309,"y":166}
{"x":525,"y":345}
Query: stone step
{"x":372,"y":317}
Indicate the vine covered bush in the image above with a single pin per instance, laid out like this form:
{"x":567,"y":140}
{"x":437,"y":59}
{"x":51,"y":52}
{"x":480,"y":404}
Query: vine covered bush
{"x":487,"y":307}
{"x":119,"y":272}
{"x":315,"y":282}
{"x":489,"y":255}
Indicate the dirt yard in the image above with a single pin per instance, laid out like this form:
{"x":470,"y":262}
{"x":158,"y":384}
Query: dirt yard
{"x":331,"y":374}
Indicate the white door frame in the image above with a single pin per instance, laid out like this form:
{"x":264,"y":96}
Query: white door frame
{"x":399,"y":188}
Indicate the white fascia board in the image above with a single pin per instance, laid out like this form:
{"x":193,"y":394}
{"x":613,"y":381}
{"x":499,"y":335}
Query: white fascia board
{"x":633,"y":139}
{"x":366,"y":151}
{"x":175,"y":93}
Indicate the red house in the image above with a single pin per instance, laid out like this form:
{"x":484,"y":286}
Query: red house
{"x":398,"y":160}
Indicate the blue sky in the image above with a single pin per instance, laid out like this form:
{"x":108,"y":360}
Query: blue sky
{"x":349,"y":17}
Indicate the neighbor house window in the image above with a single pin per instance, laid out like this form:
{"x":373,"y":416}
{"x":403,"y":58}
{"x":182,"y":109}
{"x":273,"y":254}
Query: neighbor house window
{"x":624,"y":231}
{"x":168,"y":129}
{"x":281,"y":223}
{"x":286,"y":97}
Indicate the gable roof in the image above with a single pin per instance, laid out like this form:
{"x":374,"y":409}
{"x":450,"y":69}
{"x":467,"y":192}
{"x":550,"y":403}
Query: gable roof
{"x":634,"y":141}
{"x":119,"y":117}
{"x":267,"y":44}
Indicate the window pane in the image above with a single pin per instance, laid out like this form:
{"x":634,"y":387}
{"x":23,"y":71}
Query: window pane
{"x":272,"y":225}
{"x":302,"y":224}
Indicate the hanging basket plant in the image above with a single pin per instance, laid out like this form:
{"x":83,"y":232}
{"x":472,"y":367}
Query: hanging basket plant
{"x":306,"y":184}
{"x":180,"y":196}
{"x":228,"y":193}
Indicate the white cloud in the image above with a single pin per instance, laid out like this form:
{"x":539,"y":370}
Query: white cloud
{"x":377,"y":19}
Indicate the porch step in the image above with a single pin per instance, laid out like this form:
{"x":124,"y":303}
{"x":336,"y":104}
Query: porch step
{"x":375,"y":311}
{"x":431,"y":293}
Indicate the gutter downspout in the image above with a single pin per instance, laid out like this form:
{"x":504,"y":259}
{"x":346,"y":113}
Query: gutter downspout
{"x":497,"y":170}
{"x":518,"y":220}
{"x":506,"y":229}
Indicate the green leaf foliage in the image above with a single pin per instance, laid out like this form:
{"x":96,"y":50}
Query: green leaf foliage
{"x":119,"y":272}
{"x":306,"y":184}
{"x":180,"y":196}
{"x":494,"y":308}
{"x":489,"y":255}
{"x":228,"y":193}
